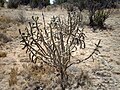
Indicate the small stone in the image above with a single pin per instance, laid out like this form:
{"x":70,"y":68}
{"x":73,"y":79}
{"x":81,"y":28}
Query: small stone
{"x":106,"y":49}
{"x":3,"y":54}
{"x":1,"y":77}
{"x":73,"y":69}
{"x":103,"y":73}
{"x":118,"y":62}
{"x":116,"y":70}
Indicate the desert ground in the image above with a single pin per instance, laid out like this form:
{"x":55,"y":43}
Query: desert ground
{"x":103,"y":71}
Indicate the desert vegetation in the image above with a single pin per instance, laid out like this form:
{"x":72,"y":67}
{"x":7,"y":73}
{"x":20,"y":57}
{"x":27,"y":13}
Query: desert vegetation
{"x":69,"y":45}
{"x":54,"y":45}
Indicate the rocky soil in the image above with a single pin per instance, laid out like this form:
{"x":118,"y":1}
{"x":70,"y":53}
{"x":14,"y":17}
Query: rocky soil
{"x":102,"y":73}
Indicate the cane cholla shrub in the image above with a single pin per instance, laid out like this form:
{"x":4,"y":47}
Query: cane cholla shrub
{"x":100,"y":16}
{"x":13,"y":3}
{"x":55,"y":43}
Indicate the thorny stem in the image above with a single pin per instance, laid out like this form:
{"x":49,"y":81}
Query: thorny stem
{"x":79,"y":61}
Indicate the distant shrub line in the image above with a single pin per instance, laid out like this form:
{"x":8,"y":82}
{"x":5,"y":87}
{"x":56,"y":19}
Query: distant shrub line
{"x":32,"y":3}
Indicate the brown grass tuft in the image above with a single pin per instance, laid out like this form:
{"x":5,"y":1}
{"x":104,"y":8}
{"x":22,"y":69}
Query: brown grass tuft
{"x":13,"y":76}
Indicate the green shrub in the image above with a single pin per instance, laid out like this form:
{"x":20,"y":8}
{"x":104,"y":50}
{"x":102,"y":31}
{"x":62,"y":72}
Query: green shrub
{"x":13,"y":3}
{"x":39,"y":3}
{"x":59,"y":1}
{"x":100,"y":16}
{"x":34,"y":3}
{"x":81,"y":4}
{"x":2,"y":3}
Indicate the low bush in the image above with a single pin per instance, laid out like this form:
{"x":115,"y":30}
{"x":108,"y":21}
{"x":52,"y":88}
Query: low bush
{"x":13,"y":3}
{"x":4,"y":38}
{"x":39,"y":3}
{"x":25,"y":2}
{"x":100,"y":16}
{"x":2,"y":3}
{"x":34,"y":3}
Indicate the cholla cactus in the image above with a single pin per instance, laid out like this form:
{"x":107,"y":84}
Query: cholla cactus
{"x":54,"y":43}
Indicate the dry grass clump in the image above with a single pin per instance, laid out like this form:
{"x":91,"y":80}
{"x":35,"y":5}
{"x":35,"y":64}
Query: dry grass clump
{"x":37,"y":75}
{"x":5,"y":24}
{"x":3,"y":54}
{"x":4,"y":38}
{"x":39,"y":70}
{"x":13,"y":77}
{"x":7,"y":20}
{"x":2,"y":45}
{"x":21,"y":17}
{"x":48,"y":77}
